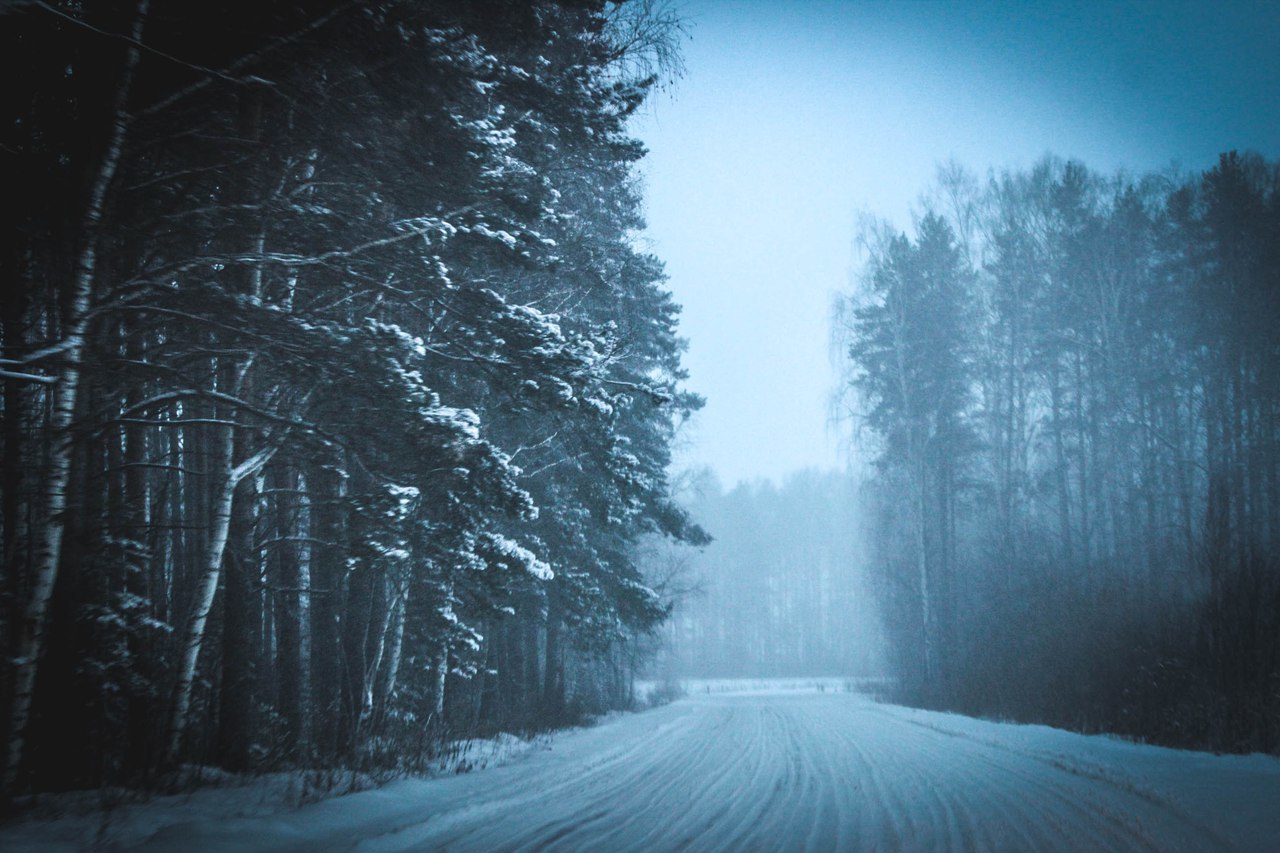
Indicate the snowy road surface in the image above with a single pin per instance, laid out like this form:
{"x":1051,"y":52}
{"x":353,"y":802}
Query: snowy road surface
{"x":797,"y":770}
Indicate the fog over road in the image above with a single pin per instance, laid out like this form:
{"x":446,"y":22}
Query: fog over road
{"x":799,"y":770}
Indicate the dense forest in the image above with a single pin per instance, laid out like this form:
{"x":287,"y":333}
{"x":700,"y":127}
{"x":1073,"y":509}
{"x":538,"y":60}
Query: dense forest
{"x":338,"y":394}
{"x":782,"y":591}
{"x":1071,"y":382}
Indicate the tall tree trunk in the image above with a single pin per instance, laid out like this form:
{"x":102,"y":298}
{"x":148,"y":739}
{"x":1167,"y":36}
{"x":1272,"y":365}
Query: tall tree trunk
{"x":397,"y":650}
{"x":1061,"y":465}
{"x":927,"y":632}
{"x":1086,"y":523}
{"x":441,"y":679}
{"x":553,"y":696}
{"x":386,"y":602}
{"x":531,"y":684}
{"x":14,"y":502}
{"x":13,"y":307}
{"x":287,"y":593}
{"x":300,"y":580}
{"x":325,"y":488}
{"x":137,"y":524}
{"x":357,"y":618}
{"x":53,"y":497}
{"x":61,"y":730}
{"x":229,"y":478}
{"x":238,"y":697}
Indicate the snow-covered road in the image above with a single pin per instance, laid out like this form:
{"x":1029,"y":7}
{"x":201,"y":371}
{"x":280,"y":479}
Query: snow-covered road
{"x":797,"y":770}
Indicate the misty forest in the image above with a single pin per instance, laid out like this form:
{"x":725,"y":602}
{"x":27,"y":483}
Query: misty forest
{"x":347,"y":420}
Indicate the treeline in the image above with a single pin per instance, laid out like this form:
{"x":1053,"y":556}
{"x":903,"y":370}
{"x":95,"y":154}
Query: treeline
{"x":781,"y":592}
{"x":1073,"y":382}
{"x":336,"y":390}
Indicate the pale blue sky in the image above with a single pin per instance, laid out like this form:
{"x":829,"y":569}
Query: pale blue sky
{"x":794,"y":116}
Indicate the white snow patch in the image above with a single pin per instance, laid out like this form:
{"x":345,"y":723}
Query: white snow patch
{"x":117,"y":818}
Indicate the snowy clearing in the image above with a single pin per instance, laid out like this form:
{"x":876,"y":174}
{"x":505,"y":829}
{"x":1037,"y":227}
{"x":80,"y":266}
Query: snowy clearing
{"x":788,"y":769}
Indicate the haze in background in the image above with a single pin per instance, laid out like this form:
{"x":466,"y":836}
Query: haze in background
{"x":783,"y":591}
{"x":793,"y":117}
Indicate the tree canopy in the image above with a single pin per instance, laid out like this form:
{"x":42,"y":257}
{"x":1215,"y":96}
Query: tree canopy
{"x":338,"y":390}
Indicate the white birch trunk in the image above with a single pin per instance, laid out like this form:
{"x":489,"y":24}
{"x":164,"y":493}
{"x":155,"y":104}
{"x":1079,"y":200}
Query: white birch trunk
{"x":378,"y":680}
{"x":442,"y":670}
{"x":371,"y":674}
{"x":193,"y":636}
{"x":304,"y":617}
{"x":397,"y":647}
{"x":922,"y":564}
{"x":53,"y":497}
{"x":220,"y":528}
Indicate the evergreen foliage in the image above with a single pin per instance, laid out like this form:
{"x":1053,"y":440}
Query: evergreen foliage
{"x":337,"y":393}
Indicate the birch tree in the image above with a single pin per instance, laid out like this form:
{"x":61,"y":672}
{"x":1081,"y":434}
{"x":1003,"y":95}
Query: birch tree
{"x":47,"y":551}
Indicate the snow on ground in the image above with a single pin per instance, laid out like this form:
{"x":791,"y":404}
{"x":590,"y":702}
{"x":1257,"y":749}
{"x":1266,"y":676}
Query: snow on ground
{"x":118,"y":819}
{"x":791,"y":769}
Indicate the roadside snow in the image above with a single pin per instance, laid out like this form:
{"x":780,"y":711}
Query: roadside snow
{"x":115,"y":819}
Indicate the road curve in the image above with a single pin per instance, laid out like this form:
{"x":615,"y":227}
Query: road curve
{"x":802,"y":771}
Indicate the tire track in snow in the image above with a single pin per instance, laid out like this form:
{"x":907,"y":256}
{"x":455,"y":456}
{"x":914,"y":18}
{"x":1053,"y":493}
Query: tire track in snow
{"x":491,"y":809}
{"x":1011,"y":801}
{"x":1176,"y":828}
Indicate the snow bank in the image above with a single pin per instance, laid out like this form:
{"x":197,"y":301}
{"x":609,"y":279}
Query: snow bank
{"x":116,"y":818}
